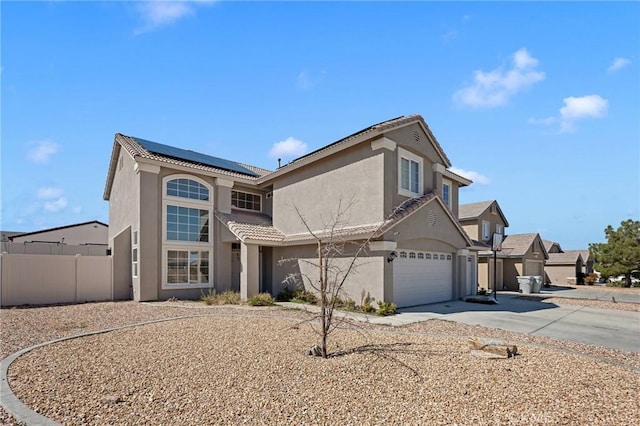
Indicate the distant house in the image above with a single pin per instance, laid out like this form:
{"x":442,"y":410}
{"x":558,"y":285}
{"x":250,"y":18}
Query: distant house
{"x":480,"y":221}
{"x":79,"y":238}
{"x":566,"y":266}
{"x":523,"y":254}
{"x":182,"y":222}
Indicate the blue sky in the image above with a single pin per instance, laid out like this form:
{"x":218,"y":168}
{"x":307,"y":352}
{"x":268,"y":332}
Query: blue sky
{"x":538,"y":103}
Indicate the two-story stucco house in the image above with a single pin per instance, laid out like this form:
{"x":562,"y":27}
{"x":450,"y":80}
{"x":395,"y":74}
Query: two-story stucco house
{"x":183,"y":222}
{"x":520,"y":254}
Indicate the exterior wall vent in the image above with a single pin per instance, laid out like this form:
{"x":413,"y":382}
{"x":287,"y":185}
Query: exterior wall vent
{"x":269,"y":195}
{"x":432,"y":218}
{"x":416,"y":136}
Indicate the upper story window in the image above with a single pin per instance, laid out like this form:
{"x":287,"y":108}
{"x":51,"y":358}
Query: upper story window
{"x":446,"y":192}
{"x":246,"y":200}
{"x":410,"y":171}
{"x":499,"y":228}
{"x":485,"y":230}
{"x":187,"y":188}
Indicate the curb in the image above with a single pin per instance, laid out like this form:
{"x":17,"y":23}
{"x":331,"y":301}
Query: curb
{"x":20,"y":411}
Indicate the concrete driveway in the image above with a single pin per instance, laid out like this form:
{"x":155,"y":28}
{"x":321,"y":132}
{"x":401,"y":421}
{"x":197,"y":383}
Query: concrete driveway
{"x":604,"y":327}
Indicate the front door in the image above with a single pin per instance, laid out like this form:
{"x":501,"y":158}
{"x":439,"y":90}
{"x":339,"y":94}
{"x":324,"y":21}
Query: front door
{"x":235,"y":267}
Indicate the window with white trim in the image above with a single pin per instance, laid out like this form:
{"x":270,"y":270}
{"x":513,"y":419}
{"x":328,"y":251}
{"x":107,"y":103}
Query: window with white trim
{"x":410,"y":171}
{"x":187,"y":250}
{"x":134,"y":254}
{"x":485,"y":230}
{"x":446,"y":192}
{"x":246,"y":201}
{"x":499,"y":228}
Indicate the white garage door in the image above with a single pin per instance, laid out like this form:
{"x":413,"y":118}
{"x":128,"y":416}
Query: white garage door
{"x":422,"y":277}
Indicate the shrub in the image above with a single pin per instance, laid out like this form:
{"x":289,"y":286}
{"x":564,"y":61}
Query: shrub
{"x":285,"y":295}
{"x":261,"y":299}
{"x":227,"y":298}
{"x":305,"y":296}
{"x":366,"y":304}
{"x":385,"y":309}
{"x":590,"y":279}
{"x":349,"y":305}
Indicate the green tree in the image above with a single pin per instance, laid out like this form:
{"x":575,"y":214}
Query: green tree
{"x":621,"y":253}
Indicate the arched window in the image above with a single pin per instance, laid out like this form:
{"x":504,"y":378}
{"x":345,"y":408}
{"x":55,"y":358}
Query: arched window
{"x":428,"y":256}
{"x":420,"y":256}
{"x":187,"y":233}
{"x":403,"y":254}
{"x":412,"y":255}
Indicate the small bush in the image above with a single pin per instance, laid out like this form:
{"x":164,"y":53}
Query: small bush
{"x":385,"y":309}
{"x":366,"y":304}
{"x":285,"y":295}
{"x":305,"y":296}
{"x":261,"y":299}
{"x":349,"y":305}
{"x":226,"y":298}
{"x":590,"y":279}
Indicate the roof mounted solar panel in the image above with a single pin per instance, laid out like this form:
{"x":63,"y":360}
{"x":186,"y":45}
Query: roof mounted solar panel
{"x":193,"y":157}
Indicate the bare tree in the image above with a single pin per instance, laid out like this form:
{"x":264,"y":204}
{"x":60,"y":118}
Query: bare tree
{"x":333,"y":242}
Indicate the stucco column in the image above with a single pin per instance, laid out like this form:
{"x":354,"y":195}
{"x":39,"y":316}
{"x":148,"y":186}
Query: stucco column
{"x":146,"y":287}
{"x":250,"y":270}
{"x":460,"y":275}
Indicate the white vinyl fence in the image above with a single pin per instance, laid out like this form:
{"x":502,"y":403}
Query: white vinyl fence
{"x":35,"y":279}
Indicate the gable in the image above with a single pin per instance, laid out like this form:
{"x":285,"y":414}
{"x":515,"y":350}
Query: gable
{"x":418,"y":140}
{"x":429,"y":221}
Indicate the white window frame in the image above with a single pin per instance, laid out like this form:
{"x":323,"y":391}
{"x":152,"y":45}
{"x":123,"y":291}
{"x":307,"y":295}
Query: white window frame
{"x":135,"y":255}
{"x":187,"y":246}
{"x":246,"y":192}
{"x":499,"y":228}
{"x":448,"y":184}
{"x":403,"y":153}
{"x":486,"y":226}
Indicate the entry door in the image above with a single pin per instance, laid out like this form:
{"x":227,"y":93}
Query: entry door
{"x":235,"y":269}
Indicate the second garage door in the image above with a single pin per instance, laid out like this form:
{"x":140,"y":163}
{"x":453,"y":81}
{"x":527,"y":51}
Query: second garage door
{"x":422,"y":277}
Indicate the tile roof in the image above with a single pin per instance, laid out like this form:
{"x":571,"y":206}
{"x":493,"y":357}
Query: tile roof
{"x":473,"y":210}
{"x":566,"y":258}
{"x":251,"y":226}
{"x":519,"y":244}
{"x":376,"y":128}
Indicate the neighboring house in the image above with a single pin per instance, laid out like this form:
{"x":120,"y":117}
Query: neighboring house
{"x":480,"y":221}
{"x":523,"y":254}
{"x":565,"y":266}
{"x":87,"y":238}
{"x":183,"y":222}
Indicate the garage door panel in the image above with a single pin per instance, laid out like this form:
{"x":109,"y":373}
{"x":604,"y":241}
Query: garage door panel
{"x":422,"y":279}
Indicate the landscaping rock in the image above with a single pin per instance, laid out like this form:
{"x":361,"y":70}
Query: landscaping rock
{"x":491,"y":348}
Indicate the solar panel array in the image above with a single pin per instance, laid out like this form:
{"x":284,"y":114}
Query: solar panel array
{"x":193,"y":157}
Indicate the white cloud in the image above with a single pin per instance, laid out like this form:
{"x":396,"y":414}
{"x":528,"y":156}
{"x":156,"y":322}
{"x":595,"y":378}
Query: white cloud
{"x":495,"y":88}
{"x":56,"y":205}
{"x":307,"y":80}
{"x":40,"y":152}
{"x":548,"y":121}
{"x":469,"y":174}
{"x":77,"y":210}
{"x":578,"y":108}
{"x":290,"y":147}
{"x":48,"y":193}
{"x":618,"y":63}
{"x":158,"y":13}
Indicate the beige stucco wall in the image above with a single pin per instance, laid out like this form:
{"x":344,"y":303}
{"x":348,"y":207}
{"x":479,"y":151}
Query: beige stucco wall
{"x":354,"y":178}
{"x":560,"y":274}
{"x":471,"y":229}
{"x":299,"y":262}
{"x":512,"y":269}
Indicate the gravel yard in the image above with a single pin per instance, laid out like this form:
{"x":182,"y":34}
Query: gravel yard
{"x":235,"y":365}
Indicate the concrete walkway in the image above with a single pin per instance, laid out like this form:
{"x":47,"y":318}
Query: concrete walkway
{"x":610,"y":328}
